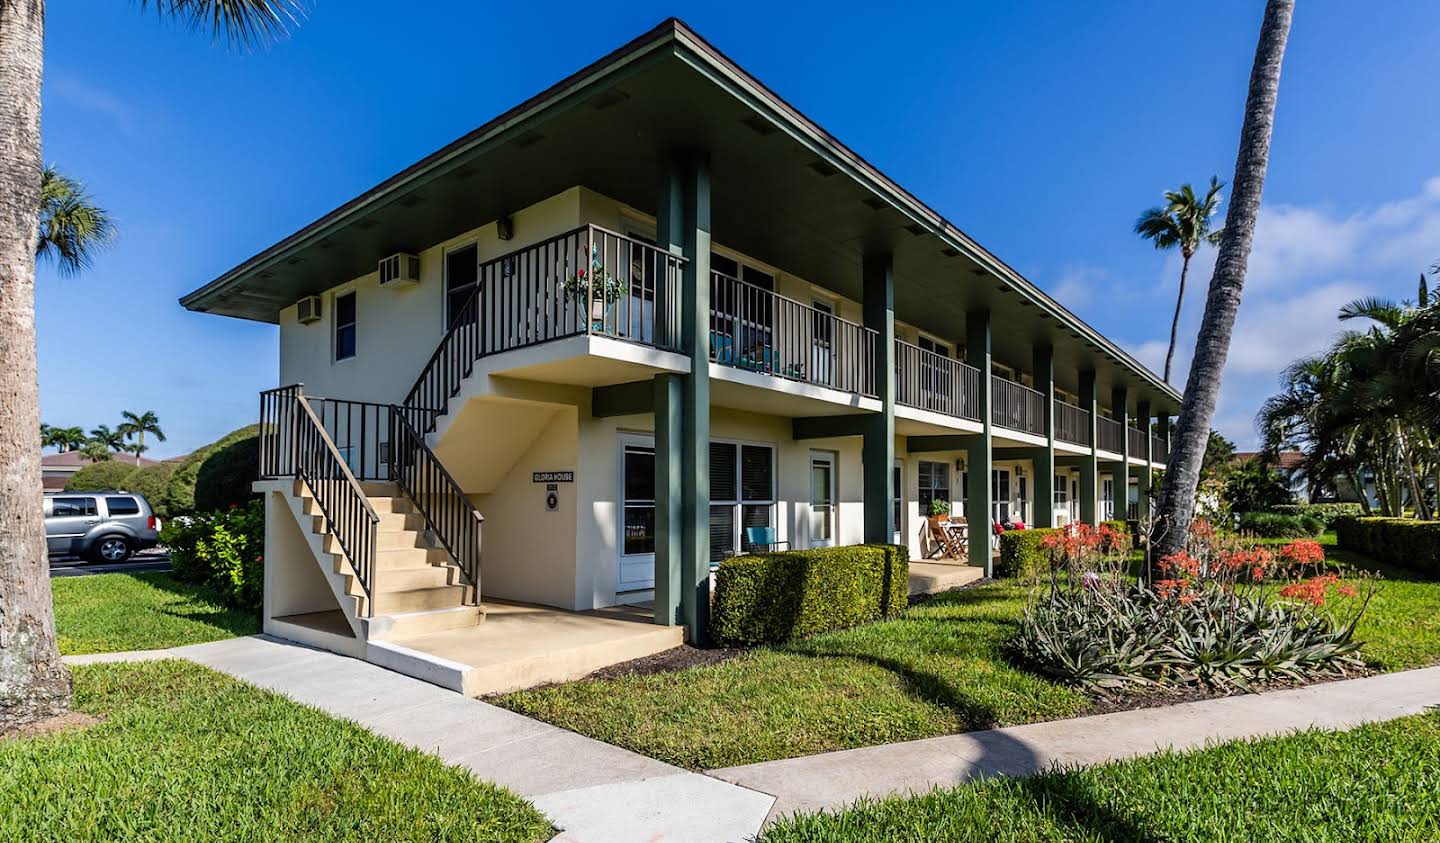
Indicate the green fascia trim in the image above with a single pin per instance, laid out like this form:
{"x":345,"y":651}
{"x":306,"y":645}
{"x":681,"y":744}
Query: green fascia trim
{"x":623,"y":399}
{"x":948,"y":442}
{"x":829,"y":427}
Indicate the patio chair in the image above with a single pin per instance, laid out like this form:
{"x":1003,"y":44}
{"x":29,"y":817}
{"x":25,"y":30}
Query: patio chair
{"x":946,"y":543}
{"x":762,"y":539}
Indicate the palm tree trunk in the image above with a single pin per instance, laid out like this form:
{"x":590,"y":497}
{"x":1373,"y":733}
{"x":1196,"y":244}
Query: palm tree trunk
{"x":140,"y":449}
{"x":1175,"y":322}
{"x":33,"y":681}
{"x":1359,"y":486}
{"x":1212,"y":346}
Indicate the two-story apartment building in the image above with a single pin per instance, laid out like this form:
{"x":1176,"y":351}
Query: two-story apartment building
{"x":616,"y":326}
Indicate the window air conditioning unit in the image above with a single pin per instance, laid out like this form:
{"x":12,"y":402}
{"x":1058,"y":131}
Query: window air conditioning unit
{"x":400,"y":270}
{"x":307,"y":310}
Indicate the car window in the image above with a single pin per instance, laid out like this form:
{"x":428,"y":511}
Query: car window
{"x":122,"y":506}
{"x":72,"y":507}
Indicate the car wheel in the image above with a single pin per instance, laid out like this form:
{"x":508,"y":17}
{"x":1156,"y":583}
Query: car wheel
{"x":110,"y":549}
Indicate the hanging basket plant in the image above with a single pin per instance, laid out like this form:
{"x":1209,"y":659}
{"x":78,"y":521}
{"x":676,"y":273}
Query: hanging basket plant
{"x":602,"y":286}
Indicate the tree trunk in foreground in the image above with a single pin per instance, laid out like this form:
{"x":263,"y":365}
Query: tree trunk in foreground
{"x":1212,"y":346}
{"x":33,"y":682}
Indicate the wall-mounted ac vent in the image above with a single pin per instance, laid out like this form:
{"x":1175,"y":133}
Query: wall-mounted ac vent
{"x":307,"y":310}
{"x":400,"y":270}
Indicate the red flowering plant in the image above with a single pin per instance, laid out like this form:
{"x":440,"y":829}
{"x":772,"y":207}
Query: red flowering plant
{"x":1224,"y":611}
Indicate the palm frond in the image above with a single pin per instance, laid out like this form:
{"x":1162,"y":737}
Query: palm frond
{"x":1380,"y":310}
{"x":73,"y":228}
{"x":241,"y":23}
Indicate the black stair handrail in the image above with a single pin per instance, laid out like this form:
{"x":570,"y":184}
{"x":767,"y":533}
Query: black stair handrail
{"x":449,"y":514}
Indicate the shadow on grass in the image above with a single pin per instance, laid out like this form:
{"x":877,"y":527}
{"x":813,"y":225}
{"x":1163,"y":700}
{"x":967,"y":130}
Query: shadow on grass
{"x":233,"y":620}
{"x":1075,"y":807}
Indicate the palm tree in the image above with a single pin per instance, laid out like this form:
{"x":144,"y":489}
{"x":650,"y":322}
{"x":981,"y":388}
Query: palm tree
{"x":72,"y":227}
{"x":1212,"y":346}
{"x":138,"y":425}
{"x":1183,"y":222}
{"x":111,"y":439}
{"x":96,"y":451}
{"x":33,"y":681}
{"x":64,"y":439}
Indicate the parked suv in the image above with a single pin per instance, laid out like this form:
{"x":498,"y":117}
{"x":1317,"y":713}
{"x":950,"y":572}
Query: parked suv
{"x":105,"y":526}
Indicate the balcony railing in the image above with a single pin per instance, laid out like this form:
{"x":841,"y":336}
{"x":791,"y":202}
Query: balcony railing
{"x":755,"y":329}
{"x":1137,"y":442}
{"x":929,"y":381}
{"x":1072,"y":424}
{"x":1110,"y":435}
{"x":587,"y":281}
{"x":1159,"y":451}
{"x":1016,"y":406}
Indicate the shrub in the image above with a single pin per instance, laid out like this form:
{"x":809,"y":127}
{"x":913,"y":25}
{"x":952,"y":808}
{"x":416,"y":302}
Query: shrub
{"x":102,"y":477}
{"x":222,"y":550}
{"x":1326,"y":512}
{"x":1273,"y":525}
{"x":1400,"y":541}
{"x":1022,"y":555}
{"x":1095,"y":626}
{"x":768,"y":598}
{"x":1252,"y":487}
{"x":225,"y":477}
{"x":180,"y":493}
{"x":151,"y":481}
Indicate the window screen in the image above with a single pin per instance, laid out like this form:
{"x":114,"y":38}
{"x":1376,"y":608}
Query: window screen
{"x":461,"y":274}
{"x":723,"y":470}
{"x":345,"y":326}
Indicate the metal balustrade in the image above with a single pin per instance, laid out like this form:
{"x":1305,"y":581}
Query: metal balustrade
{"x":1016,"y":406}
{"x":1072,"y":424}
{"x":758,"y":330}
{"x":1159,"y":451}
{"x":1110,"y":435}
{"x":1137,"y":442}
{"x":929,"y":381}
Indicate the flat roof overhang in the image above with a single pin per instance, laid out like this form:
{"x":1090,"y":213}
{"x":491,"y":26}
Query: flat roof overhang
{"x":783,"y":191}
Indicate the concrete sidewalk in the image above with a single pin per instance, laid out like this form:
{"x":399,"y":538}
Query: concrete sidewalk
{"x":593,"y":791}
{"x":835,"y":779}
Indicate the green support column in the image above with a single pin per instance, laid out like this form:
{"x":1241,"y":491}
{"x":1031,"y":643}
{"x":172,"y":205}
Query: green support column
{"x":668,"y":492}
{"x":1142,"y":414}
{"x":1163,"y":431}
{"x":879,"y":437}
{"x":1090,"y":468}
{"x":683,"y":226}
{"x":1120,"y":475}
{"x":978,"y":460}
{"x":1043,"y":369}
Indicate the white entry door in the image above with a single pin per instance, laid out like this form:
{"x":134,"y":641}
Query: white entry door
{"x":636,"y":563}
{"x":822,"y":499}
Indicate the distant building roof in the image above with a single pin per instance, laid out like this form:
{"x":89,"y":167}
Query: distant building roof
{"x":77,"y":460}
{"x":1284,"y":461}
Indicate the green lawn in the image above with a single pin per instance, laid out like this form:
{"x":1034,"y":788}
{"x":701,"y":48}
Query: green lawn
{"x":184,"y":753}
{"x":109,"y":613}
{"x":937,"y":670}
{"x":1377,"y":782}
{"x":934,"y":671}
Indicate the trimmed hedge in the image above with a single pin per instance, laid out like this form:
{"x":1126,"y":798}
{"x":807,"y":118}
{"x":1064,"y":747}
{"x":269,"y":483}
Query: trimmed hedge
{"x":1021,"y":555}
{"x":1399,"y":541}
{"x":152,"y":481}
{"x":223,"y":550}
{"x":1326,"y":512}
{"x":1273,"y":525}
{"x":180,"y":494}
{"x":768,"y":598}
{"x":105,"y":476}
{"x":224,"y":479}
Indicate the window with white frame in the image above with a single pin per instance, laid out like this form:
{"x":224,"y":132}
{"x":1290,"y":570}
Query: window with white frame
{"x":934,"y":484}
{"x":462,"y":274}
{"x":742,"y":494}
{"x":639,"y":480}
{"x":345,"y":326}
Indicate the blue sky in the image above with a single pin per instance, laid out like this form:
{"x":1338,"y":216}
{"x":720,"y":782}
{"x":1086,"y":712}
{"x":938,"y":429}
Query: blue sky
{"x":1042,"y":129}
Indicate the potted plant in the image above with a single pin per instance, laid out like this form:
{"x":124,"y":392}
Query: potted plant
{"x":601,"y":287}
{"x":939,"y":511}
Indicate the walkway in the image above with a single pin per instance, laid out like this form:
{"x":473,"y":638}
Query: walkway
{"x":591,"y":790}
{"x":832,"y":780}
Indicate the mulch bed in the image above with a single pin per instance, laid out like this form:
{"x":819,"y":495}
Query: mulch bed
{"x":66,"y":722}
{"x":677,"y":658}
{"x":1142,"y":696}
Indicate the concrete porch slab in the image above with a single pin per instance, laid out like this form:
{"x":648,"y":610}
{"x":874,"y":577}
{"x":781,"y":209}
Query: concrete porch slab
{"x":935,"y":577}
{"x":521,"y":646}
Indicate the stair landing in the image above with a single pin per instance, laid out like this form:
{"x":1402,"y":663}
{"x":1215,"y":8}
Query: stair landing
{"x":522,"y":646}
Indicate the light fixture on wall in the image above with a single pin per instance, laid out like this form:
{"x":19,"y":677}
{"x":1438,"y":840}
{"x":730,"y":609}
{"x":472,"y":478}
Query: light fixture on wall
{"x":1019,"y":471}
{"x":505,"y":227}
{"x":960,"y":464}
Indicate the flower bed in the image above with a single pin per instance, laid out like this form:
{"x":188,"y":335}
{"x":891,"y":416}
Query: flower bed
{"x":1220,"y":613}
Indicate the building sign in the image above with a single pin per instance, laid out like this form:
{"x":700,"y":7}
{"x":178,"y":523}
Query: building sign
{"x":553,"y":477}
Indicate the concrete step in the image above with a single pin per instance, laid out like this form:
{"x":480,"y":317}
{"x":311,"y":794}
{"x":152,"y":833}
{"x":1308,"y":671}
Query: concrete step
{"x":393,"y":539}
{"x":422,"y":623}
{"x":428,"y":576}
{"x":400,"y":521}
{"x":417,"y":599}
{"x":379,"y":488}
{"x":409,"y":557}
